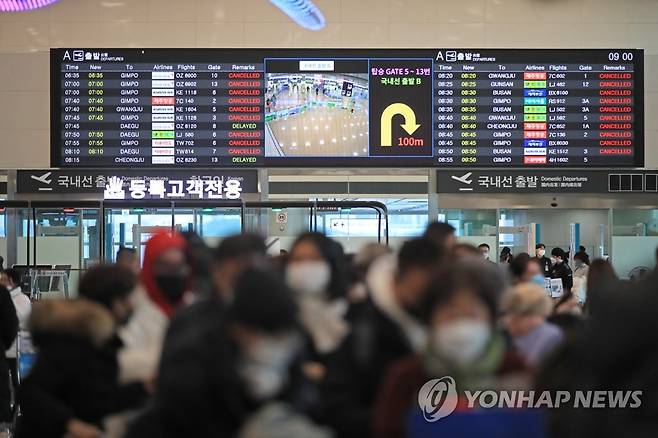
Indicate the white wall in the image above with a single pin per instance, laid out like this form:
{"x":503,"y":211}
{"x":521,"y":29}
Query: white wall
{"x":26,"y":37}
{"x":629,"y":252}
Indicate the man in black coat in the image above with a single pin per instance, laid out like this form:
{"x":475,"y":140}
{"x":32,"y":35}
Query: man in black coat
{"x":386,"y":328}
{"x":209,"y":376}
{"x":8,"y":331}
{"x":561,"y":268}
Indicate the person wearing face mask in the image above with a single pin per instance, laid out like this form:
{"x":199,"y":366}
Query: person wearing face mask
{"x":527,"y":270}
{"x":113,"y":286}
{"x":464,"y":343}
{"x":225,"y":370}
{"x":561,"y":269}
{"x":533,"y":274}
{"x":164,"y":280}
{"x":74,"y":384}
{"x":317,"y":273}
{"x":232,"y":257}
{"x":388,"y":327}
{"x":544,"y":262}
{"x":485,"y":251}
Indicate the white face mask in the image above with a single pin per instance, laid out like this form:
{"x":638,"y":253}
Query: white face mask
{"x":308,"y":277}
{"x":541,"y":253}
{"x":264,"y":367}
{"x":463,"y":340}
{"x":485,"y":255}
{"x":554,"y":260}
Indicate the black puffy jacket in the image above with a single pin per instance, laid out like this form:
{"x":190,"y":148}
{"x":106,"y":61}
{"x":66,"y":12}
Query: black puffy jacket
{"x":75,"y":374}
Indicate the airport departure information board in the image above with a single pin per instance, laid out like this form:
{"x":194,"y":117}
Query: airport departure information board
{"x":347,"y":107}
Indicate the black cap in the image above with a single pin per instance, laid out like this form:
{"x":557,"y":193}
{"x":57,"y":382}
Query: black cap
{"x":263,"y":302}
{"x":240,"y":245}
{"x":558,"y":252}
{"x":106,"y":283}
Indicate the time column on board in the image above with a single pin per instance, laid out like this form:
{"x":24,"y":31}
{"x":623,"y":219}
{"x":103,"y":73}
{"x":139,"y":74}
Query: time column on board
{"x":73,"y":103}
{"x":446,"y":115}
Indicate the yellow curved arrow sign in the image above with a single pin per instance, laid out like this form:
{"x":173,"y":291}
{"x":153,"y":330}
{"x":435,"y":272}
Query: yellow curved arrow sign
{"x":387,"y":121}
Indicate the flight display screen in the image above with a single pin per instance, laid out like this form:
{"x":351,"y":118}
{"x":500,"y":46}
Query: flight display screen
{"x":492,"y":108}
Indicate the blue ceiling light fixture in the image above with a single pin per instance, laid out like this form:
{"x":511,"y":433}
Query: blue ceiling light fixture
{"x":303,"y":12}
{"x":23,"y":5}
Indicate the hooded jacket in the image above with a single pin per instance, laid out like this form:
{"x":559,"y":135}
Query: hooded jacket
{"x":382,"y":333}
{"x":155,"y":247}
{"x":144,"y":334}
{"x":75,"y":374}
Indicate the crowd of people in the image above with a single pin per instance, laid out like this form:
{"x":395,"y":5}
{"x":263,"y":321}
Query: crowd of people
{"x":230,"y":342}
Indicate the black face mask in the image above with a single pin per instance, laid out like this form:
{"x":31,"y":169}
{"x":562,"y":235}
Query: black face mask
{"x":172,"y":286}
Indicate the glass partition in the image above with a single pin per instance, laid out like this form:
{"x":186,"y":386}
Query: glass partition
{"x":132,"y":226}
{"x":212,"y":223}
{"x":352,"y":227}
{"x":65,"y":239}
{"x":280,"y":225}
{"x":553,"y":229}
{"x":634,"y":241}
{"x":357,"y":226}
{"x":515,"y":232}
{"x":16,"y":233}
{"x":473,"y":227}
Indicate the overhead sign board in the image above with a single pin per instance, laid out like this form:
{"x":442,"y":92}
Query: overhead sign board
{"x":141,"y":184}
{"x":432,"y":107}
{"x":546,"y":181}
